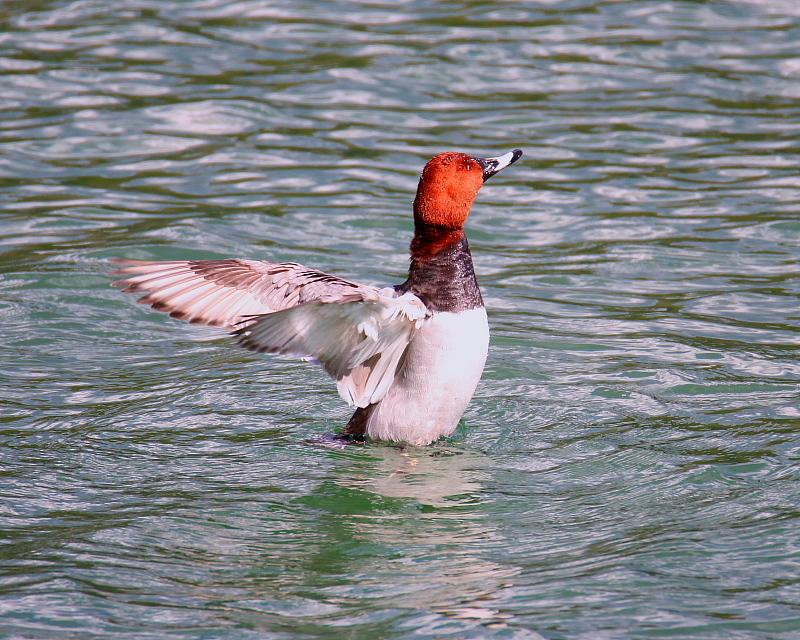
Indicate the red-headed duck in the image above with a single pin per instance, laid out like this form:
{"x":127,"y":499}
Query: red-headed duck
{"x":408,"y":357}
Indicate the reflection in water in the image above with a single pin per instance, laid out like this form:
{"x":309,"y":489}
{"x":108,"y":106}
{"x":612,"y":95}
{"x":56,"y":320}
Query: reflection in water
{"x":399,"y":529}
{"x":437,"y":477}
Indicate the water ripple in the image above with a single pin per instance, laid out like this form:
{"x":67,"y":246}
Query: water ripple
{"x":631,"y":457}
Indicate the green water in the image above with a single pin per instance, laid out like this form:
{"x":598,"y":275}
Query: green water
{"x":629,"y":466}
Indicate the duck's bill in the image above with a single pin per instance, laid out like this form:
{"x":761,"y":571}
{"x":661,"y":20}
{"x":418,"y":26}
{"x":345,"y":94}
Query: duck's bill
{"x":495,"y":165}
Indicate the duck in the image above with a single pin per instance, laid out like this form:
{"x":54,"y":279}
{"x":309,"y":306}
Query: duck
{"x":408,"y":358}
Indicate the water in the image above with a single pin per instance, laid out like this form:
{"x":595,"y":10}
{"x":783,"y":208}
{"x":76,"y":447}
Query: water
{"x":629,"y":466}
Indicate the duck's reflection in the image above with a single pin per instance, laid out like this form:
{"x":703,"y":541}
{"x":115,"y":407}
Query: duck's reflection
{"x":408,"y":528}
{"x":437,"y":477}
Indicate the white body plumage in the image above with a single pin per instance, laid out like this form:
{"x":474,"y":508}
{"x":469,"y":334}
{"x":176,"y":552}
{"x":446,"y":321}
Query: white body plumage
{"x":443,"y":365}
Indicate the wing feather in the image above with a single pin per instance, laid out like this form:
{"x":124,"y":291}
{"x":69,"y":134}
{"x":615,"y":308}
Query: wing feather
{"x":359,"y":344}
{"x":358,"y":334}
{"x":226,"y":293}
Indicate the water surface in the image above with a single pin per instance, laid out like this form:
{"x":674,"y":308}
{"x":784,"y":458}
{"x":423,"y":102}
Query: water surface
{"x":629,"y":466}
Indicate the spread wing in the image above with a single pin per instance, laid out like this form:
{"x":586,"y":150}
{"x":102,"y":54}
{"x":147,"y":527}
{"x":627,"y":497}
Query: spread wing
{"x":360,"y":344}
{"x":228,"y":293}
{"x":358,"y":334}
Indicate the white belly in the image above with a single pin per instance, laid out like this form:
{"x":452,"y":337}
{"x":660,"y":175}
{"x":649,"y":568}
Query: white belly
{"x":444,"y":363}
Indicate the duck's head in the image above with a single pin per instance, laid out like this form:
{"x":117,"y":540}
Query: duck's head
{"x":448,"y":186}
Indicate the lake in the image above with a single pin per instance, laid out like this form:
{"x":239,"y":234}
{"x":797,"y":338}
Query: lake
{"x":629,"y":466}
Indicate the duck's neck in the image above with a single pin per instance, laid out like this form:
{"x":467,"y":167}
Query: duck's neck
{"x":441,"y":272}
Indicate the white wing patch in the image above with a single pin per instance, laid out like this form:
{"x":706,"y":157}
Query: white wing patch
{"x":359,"y":344}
